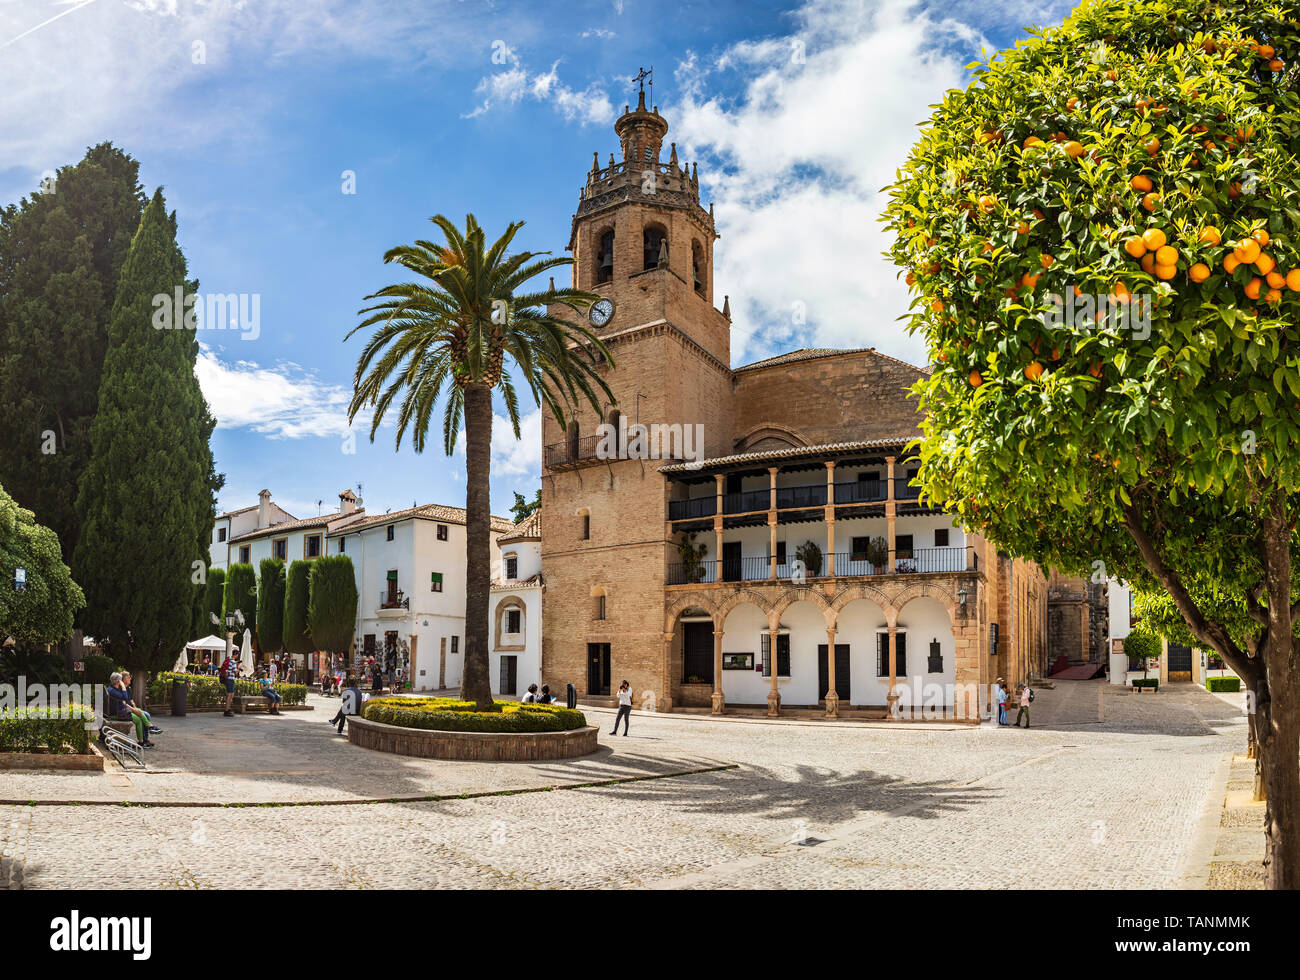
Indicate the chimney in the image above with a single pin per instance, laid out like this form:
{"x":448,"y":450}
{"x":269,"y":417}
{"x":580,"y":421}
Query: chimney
{"x":263,"y":509}
{"x":347,"y":502}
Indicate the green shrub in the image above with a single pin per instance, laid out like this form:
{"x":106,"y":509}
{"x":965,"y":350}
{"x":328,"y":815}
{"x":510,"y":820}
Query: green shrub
{"x":1223,"y":683}
{"x":209,"y":692}
{"x":1151,"y":682}
{"x":59,"y":731}
{"x":98,"y":669}
{"x":448,"y":715}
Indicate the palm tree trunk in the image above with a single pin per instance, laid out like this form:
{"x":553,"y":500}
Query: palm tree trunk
{"x":475,"y":683}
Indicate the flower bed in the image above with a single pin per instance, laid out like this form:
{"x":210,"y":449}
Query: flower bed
{"x":54,"y":731}
{"x":206,"y":691}
{"x":450,"y":715}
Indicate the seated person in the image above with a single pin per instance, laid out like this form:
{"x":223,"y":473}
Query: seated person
{"x":544,"y":697}
{"x":130,"y":700}
{"x":119,"y":708}
{"x":271,"y":694}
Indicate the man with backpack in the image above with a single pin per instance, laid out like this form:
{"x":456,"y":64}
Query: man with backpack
{"x":1026,"y":696}
{"x":229,"y":668}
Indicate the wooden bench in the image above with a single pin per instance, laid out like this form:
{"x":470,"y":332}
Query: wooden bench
{"x":245,"y":701}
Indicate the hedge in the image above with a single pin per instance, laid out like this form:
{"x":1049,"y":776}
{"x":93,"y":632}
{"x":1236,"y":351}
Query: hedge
{"x":1223,"y":683}
{"x":1151,"y":682}
{"x":61,"y":731}
{"x":206,"y":691}
{"x":449,"y":715}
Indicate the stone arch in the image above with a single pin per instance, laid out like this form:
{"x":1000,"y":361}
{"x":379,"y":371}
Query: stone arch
{"x":683,"y":604}
{"x":927,"y":590}
{"x":803,"y":593}
{"x":740,"y":597}
{"x":654,"y":235}
{"x":602,"y":248}
{"x":861,"y":591}
{"x":771,"y":432}
{"x":504,"y":606}
{"x":699,"y":272}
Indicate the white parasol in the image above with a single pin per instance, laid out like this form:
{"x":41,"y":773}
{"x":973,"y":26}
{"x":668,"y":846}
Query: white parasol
{"x":246,"y":655}
{"x":183,"y":661}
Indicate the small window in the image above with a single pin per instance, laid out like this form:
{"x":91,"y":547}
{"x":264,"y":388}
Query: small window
{"x":512,"y":567}
{"x":605,"y":258}
{"x":859,"y":549}
{"x":882,"y":655}
{"x":343,"y":545}
{"x":941,"y":537}
{"x":455,"y":644}
{"x":599,"y":611}
{"x":243,"y":554}
{"x":903,"y":546}
{"x":436,"y":582}
{"x":221,"y":534}
{"x":280,"y":548}
{"x":312,"y":546}
{"x":512,"y":620}
{"x":782,"y":654}
{"x":935,"y":664}
{"x":780,"y":552}
{"x":654,"y":240}
{"x":586,"y":527}
{"x":442,"y":532}
{"x":390,"y":532}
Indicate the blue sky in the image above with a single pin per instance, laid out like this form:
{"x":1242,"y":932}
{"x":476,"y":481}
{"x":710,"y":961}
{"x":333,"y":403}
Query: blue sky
{"x":248,"y":114}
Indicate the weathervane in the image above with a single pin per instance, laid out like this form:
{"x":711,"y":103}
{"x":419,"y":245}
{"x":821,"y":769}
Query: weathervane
{"x":643,"y":76}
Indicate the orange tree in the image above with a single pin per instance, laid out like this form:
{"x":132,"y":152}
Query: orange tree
{"x":1102,"y":235}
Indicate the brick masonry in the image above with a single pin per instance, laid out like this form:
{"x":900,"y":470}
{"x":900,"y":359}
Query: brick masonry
{"x":472,"y":746}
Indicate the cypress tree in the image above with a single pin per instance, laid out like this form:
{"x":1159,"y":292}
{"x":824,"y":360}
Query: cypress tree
{"x":332,"y":607}
{"x":270,"y":605}
{"x":214,"y":600}
{"x":145,"y":498}
{"x":61,"y":252}
{"x":241,"y":594}
{"x":296,"y":592}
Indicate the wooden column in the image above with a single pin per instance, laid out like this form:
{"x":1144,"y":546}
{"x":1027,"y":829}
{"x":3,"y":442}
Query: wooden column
{"x":832,"y":696}
{"x":717,"y":530}
{"x":773,"y":696}
{"x":892,"y":699}
{"x":771,"y":523}
{"x":718,"y":700}
{"x":891,"y":514}
{"x":830,"y":518}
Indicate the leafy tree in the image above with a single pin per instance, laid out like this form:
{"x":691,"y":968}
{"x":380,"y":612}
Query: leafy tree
{"x":61,"y":251}
{"x":270,"y":605}
{"x":214,"y":601}
{"x":145,"y":501}
{"x":448,"y":336}
{"x":332,"y":606}
{"x":1101,"y":233}
{"x":43,"y":611}
{"x":241,"y":595}
{"x":522,"y":508}
{"x":297,"y":592}
{"x":1142,"y":644}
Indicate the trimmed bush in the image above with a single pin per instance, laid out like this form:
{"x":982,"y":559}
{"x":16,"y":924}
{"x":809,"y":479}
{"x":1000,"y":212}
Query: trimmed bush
{"x":448,"y":715}
{"x":209,"y":692}
{"x":1223,"y":683}
{"x":1151,"y":682}
{"x":98,"y":669}
{"x":46,"y":730}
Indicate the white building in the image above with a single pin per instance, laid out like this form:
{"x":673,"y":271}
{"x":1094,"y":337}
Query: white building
{"x":235,"y":523}
{"x":293,"y":539}
{"x":410,"y":568}
{"x":515,"y":610}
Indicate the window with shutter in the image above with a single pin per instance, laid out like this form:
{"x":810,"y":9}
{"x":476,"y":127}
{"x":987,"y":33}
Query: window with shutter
{"x":512,"y":567}
{"x":782,"y":654}
{"x":882,"y":654}
{"x":941,"y":537}
{"x":435,"y":584}
{"x":935,"y":665}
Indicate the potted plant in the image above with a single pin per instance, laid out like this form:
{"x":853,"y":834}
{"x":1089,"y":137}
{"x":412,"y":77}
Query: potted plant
{"x":692,"y":556}
{"x":810,"y":553}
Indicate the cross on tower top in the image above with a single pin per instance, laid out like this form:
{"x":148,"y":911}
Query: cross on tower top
{"x":642,"y":76}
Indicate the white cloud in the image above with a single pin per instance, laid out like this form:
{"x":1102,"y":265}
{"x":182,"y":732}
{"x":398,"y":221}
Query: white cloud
{"x":511,"y":456}
{"x":281,"y":402}
{"x":795,"y":165}
{"x":508,"y":86}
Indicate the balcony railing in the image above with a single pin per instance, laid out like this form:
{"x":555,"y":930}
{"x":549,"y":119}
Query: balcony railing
{"x":695,"y":507}
{"x":390,"y":600}
{"x":812,"y":495}
{"x":562,"y":453}
{"x":861,"y":492}
{"x":746,"y":501}
{"x":843,"y":564}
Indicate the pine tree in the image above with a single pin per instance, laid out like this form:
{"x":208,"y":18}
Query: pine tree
{"x":270,"y":605}
{"x":297,"y":591}
{"x":145,"y":501}
{"x":61,"y":251}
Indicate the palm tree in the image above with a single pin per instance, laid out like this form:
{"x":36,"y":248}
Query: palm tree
{"x":450,"y":334}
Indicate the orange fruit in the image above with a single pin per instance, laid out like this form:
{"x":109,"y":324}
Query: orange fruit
{"x":1154,"y":239}
{"x":975,"y":379}
{"x":1234,"y":191}
{"x":1246,"y":250}
{"x":1261,"y":236}
{"x":1135,"y":246}
{"x":988,"y":203}
{"x":1141,"y":183}
{"x":937,"y":306}
{"x":1070,"y":103}
{"x":1167,"y":255}
{"x":1152,"y":146}
{"x":1031,"y":141}
{"x":1095,"y":370}
{"x":1275,"y":280}
{"x":1265,"y":263}
{"x":1046,"y":261}
{"x":1208,"y":46}
{"x":1034,"y":371}
{"x":1150,"y":201}
{"x":1166,"y":271}
{"x":1252,"y":288}
{"x":1112,"y":75}
{"x":1266,"y":51}
{"x":1023,"y":228}
{"x":1120,"y":292}
{"x":910,"y":279}
{"x":1074,"y":149}
{"x":1276,"y":65}
{"x":1149,"y":263}
{"x":1273,"y":296}
{"x":1230,"y":263}
{"x":1028,"y":281}
{"x":1210,"y":235}
{"x":1200,"y":272}
{"x":1293,"y":280}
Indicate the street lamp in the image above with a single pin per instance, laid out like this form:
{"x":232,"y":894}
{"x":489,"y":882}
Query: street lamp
{"x":961,"y":597}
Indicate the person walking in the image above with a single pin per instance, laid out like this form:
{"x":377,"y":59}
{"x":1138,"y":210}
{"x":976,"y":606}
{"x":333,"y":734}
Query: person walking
{"x":229,"y":668}
{"x":624,"y":708}
{"x":1026,"y":695}
{"x":1000,"y":696}
{"x":350,"y":705}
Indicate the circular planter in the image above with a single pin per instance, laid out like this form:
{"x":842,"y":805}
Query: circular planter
{"x":472,"y":746}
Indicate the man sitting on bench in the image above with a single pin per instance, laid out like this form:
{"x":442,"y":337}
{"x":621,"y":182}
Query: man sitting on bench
{"x":272,"y":696}
{"x":121,"y":709}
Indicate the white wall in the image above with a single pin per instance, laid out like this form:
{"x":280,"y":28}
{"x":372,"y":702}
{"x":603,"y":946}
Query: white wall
{"x":528,"y":660}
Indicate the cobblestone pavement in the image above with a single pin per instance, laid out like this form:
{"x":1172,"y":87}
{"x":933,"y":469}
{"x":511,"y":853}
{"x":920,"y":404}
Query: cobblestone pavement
{"x":1107,"y":790}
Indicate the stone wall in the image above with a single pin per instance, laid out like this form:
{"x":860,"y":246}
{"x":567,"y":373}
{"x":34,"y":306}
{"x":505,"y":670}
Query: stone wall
{"x":472,"y":746}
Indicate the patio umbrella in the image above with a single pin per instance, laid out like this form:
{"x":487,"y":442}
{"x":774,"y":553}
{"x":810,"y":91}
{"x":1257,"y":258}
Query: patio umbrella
{"x":183,"y":661}
{"x":246,"y":655}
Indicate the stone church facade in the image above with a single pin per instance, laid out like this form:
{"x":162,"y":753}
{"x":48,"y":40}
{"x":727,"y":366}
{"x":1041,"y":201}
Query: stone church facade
{"x":773,"y":554}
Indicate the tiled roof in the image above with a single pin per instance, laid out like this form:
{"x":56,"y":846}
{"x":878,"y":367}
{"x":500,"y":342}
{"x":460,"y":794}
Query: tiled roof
{"x":429,"y":512}
{"x":331,"y":522}
{"x":523,"y":583}
{"x":529,"y":527}
{"x":789,"y":451}
{"x":811,"y":353}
